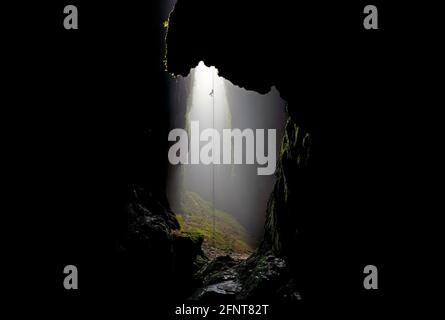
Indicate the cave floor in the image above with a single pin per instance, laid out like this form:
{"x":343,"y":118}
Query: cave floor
{"x":212,"y":253}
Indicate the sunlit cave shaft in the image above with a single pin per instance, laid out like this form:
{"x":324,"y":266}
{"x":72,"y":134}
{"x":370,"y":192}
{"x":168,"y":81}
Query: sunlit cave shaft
{"x":209,"y":107}
{"x":209,"y":103}
{"x":226,"y":203}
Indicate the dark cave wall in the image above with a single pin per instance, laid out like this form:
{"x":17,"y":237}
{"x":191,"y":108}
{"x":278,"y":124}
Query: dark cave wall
{"x":257,"y":45}
{"x":111,"y":146}
{"x":290,"y":191}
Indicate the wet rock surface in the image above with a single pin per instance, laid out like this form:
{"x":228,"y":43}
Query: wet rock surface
{"x":226,"y":290}
{"x":263,"y":274}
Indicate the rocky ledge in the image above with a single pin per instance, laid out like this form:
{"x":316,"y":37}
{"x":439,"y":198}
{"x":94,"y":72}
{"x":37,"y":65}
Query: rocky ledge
{"x":228,"y":279}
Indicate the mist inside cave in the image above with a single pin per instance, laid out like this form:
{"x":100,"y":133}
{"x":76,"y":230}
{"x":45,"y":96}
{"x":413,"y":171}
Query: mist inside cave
{"x":225,"y":203}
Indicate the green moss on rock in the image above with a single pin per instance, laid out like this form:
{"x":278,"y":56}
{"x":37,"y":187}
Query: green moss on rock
{"x":196,"y":219}
{"x":294,"y":156}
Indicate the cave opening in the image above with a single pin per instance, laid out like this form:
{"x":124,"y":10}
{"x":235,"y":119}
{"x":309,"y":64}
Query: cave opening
{"x":223,"y":202}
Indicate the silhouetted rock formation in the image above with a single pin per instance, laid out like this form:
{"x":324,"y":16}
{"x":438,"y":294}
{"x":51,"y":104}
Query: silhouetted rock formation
{"x":153,"y":241}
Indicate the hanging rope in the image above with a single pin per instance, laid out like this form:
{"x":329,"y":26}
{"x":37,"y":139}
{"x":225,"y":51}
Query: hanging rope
{"x":213,"y":155}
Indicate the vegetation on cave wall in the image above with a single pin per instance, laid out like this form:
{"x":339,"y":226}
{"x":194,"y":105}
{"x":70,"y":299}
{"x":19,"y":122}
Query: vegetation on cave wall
{"x":196,"y":218}
{"x":281,"y":226}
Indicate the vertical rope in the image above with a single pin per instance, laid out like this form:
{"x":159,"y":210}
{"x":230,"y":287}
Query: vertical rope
{"x":213,"y":155}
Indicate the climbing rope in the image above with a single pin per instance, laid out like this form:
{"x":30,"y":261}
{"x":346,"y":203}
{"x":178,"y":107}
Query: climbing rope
{"x":213,"y":155}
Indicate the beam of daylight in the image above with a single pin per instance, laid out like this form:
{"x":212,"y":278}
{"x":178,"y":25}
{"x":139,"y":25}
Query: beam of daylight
{"x":210,"y":112}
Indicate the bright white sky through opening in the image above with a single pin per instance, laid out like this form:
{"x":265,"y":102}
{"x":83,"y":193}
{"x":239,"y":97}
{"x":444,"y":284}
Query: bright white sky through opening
{"x":209,"y":103}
